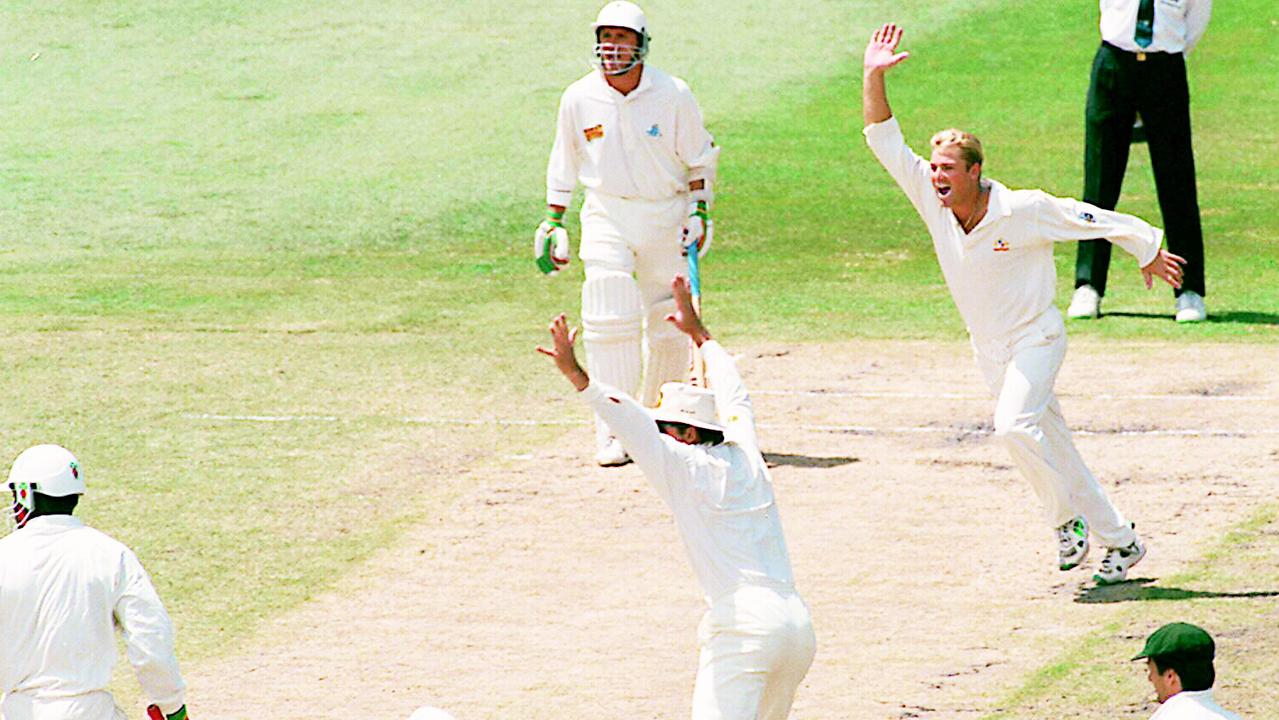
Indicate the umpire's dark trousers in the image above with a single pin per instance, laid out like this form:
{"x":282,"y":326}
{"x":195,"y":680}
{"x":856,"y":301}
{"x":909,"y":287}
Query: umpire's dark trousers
{"x":1154,"y":84}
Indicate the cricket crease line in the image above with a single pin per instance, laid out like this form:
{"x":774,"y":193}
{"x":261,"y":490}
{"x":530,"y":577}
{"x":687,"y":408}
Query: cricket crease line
{"x":975,"y":396}
{"x":846,"y":429}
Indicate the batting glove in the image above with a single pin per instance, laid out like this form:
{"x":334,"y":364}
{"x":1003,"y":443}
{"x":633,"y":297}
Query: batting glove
{"x":698,"y":228}
{"x":154,"y":713}
{"x":550,"y":243}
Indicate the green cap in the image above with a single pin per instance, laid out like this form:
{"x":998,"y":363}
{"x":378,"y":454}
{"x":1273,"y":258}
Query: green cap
{"x":1181,"y":639}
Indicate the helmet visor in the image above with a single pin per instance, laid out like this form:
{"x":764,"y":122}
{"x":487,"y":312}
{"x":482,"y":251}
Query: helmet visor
{"x":615,"y":59}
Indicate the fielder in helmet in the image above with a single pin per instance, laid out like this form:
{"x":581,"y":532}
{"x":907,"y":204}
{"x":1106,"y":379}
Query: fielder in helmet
{"x":699,"y":450}
{"x":634,"y":137}
{"x":63,"y":588}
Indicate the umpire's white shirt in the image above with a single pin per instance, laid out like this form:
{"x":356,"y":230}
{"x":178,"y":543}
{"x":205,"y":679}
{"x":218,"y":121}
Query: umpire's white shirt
{"x":62,"y":586}
{"x":648,"y":144}
{"x":721,"y":496}
{"x":1192,"y":705}
{"x":1001,"y":274}
{"x":1178,"y":24}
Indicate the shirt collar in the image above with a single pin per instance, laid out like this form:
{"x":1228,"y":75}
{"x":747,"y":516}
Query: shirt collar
{"x":53,"y":523}
{"x":997,"y":206}
{"x":646,"y":81}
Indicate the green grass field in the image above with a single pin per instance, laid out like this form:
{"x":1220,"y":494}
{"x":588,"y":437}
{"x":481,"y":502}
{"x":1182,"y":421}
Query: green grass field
{"x":325,"y":209}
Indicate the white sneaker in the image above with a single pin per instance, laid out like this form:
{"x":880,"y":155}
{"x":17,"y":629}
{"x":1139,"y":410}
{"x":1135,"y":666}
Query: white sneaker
{"x":1072,"y":543}
{"x":612,"y":454}
{"x":1085,"y":304}
{"x":1190,"y":307}
{"x":1115,"y":566}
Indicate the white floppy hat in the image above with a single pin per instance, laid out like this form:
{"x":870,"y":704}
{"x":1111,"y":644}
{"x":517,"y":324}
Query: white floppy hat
{"x":687,"y":404}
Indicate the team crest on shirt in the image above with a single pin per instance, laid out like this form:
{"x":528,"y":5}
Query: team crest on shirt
{"x":1087,"y":217}
{"x":1001,"y":245}
{"x":594,"y":133}
{"x":654,"y":131}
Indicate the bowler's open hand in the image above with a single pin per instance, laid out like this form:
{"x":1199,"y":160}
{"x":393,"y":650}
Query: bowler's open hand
{"x":1166,"y":266}
{"x":881,"y":52}
{"x":685,"y":316}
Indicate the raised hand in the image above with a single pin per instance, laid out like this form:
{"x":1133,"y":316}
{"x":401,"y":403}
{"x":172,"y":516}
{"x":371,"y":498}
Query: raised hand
{"x":881,"y":52}
{"x":685,"y":316}
{"x":1165,"y":266}
{"x":561,"y":351}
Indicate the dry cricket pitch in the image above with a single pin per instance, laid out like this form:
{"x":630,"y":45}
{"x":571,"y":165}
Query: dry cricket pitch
{"x":550,"y":588}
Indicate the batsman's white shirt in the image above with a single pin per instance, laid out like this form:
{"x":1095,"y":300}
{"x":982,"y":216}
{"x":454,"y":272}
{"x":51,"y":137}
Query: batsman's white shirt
{"x":721,"y":496}
{"x":1001,"y":274}
{"x":62,"y":586}
{"x":648,"y":144}
{"x":1192,"y":705}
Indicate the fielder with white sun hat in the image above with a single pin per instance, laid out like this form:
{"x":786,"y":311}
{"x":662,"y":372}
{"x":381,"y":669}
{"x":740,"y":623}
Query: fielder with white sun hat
{"x":699,"y":450}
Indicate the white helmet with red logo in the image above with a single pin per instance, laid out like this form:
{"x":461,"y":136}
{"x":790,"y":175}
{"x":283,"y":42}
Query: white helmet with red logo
{"x":45,"y":469}
{"x":614,"y":59}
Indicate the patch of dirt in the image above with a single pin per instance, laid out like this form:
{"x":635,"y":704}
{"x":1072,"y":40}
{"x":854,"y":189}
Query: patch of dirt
{"x":551,"y":588}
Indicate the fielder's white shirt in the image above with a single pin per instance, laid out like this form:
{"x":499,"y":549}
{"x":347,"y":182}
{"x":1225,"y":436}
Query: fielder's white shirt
{"x":648,"y":144}
{"x":721,"y":496}
{"x":1178,"y":24}
{"x":1001,"y":275}
{"x":62,"y":586}
{"x":1192,"y":705}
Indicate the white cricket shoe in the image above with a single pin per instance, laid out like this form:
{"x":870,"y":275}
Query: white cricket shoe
{"x":1085,"y":304}
{"x":1190,"y":307}
{"x":1072,"y":543}
{"x":612,"y":454}
{"x":1117,"y":562}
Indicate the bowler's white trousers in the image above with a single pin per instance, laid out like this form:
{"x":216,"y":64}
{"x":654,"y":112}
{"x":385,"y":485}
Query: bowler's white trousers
{"x":757,"y":643}
{"x":91,"y":706}
{"x":1021,"y":372}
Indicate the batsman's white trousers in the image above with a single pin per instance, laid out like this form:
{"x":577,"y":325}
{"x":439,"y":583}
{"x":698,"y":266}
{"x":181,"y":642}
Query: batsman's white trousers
{"x":625,"y":238}
{"x":94,"y":706}
{"x":1028,"y":421}
{"x":757,"y":643}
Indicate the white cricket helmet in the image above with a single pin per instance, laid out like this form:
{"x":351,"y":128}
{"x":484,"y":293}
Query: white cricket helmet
{"x":613,"y":59}
{"x":46,"y":469}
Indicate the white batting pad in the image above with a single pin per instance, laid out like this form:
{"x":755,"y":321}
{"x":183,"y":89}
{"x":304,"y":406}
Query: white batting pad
{"x":612,"y":322}
{"x":666,"y":353}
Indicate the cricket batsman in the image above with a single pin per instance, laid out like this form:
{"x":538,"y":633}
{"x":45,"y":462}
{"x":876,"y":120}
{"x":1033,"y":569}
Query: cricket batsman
{"x":995,"y":248}
{"x":699,"y":450}
{"x":63,"y":588}
{"x":634,"y":137}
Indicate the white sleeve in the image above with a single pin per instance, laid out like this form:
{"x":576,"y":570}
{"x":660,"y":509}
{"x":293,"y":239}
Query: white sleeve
{"x":908,"y":169}
{"x":1064,"y":219}
{"x":562,"y":168}
{"x":148,"y":636}
{"x":1198,"y":13}
{"x":662,"y":459}
{"x":732,"y":402}
{"x":694,"y":144}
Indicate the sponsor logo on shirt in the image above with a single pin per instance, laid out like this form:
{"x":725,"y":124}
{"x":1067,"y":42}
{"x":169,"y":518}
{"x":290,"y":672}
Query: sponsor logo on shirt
{"x":654,"y":131}
{"x":1087,"y":217}
{"x":594,"y":133}
{"x":1000,"y":245}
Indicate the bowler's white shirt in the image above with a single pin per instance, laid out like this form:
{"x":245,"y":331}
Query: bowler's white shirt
{"x":1001,"y":275}
{"x":1177,"y":28}
{"x":721,"y":496}
{"x":1192,"y":705}
{"x":648,"y":144}
{"x":62,"y":586}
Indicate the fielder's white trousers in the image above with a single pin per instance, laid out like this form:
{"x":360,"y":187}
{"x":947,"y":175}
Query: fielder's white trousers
{"x":1028,"y":421}
{"x":631,"y":249}
{"x":756,"y":646}
{"x":93,"y":706}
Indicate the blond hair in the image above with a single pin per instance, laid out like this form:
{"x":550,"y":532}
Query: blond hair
{"x":968,"y":144}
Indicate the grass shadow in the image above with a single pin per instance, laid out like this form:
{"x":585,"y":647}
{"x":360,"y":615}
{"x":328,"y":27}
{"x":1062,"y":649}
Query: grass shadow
{"x":807,"y":461}
{"x":1143,"y":589}
{"x":1239,"y":317}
